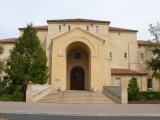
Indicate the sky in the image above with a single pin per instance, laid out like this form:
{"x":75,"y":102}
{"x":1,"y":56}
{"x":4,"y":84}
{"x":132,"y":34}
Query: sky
{"x":134,"y":14}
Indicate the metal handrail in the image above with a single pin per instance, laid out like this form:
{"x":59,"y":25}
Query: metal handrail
{"x":41,"y":92}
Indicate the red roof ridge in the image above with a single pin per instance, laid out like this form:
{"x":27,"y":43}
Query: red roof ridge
{"x":121,"y":29}
{"x":78,"y":20}
{"x":146,"y":42}
{"x":8,"y":40}
{"x":41,"y":27}
{"x":125,"y":71}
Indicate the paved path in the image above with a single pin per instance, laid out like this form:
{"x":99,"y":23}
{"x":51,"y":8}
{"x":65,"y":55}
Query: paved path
{"x":81,"y":109}
{"x":56,"y":117}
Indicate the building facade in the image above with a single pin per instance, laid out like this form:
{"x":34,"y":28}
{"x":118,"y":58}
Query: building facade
{"x":90,"y":54}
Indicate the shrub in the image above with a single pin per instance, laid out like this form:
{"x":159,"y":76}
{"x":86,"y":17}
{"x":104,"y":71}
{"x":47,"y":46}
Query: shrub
{"x":133,"y":90}
{"x":150,"y":95}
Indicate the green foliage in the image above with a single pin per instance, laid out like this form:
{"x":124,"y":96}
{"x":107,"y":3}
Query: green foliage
{"x":11,"y":97}
{"x":1,"y":50}
{"x":154,"y":63}
{"x":133,"y":90}
{"x":1,"y":62}
{"x":27,"y":62}
{"x":149,"y":95}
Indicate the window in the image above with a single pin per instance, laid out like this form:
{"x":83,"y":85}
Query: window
{"x":97,"y":29}
{"x":77,"y":55}
{"x":69,"y":27}
{"x":125,"y":55}
{"x":59,"y":27}
{"x":87,"y":28}
{"x":149,"y":83}
{"x":110,"y":55}
{"x":118,"y":82}
{"x":142,"y":55}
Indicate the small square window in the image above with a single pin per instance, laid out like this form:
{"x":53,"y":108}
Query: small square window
{"x":110,"y":55}
{"x":59,"y":28}
{"x":69,"y":27}
{"x":142,"y":55}
{"x":97,"y":29}
{"x":149,"y":83}
{"x":87,"y":28}
{"x":125,"y":55}
{"x":118,"y":82}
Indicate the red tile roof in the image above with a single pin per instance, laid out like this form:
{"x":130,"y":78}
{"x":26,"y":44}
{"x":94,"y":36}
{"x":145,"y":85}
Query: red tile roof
{"x":145,"y":43}
{"x":44,"y":27}
{"x":120,"y":71}
{"x":78,"y":20}
{"x":8,"y":40}
{"x":121,"y":29}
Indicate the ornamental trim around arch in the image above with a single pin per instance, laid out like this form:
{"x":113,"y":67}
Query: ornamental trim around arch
{"x":84,"y":40}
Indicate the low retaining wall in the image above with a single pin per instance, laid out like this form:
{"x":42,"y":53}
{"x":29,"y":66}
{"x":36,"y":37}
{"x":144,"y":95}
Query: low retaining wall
{"x":36,"y":92}
{"x":116,"y":93}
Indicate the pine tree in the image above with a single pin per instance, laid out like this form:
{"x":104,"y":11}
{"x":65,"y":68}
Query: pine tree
{"x":27,"y":62}
{"x":133,"y":89}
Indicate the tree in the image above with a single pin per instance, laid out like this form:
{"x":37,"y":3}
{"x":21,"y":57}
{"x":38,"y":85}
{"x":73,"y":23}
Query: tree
{"x":154,"y":63}
{"x":1,"y":62}
{"x":133,"y":90}
{"x":27,"y":62}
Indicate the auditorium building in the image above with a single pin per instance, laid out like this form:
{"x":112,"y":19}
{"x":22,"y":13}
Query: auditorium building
{"x":89,"y":57}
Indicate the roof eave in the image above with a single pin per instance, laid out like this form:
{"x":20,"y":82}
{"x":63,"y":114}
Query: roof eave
{"x":58,"y":21}
{"x":125,"y":30}
{"x":138,"y":74}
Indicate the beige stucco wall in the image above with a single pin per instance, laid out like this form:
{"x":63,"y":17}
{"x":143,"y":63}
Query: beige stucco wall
{"x":53,"y":28}
{"x":98,"y":65}
{"x":147,"y":55}
{"x":118,"y":44}
{"x":100,"y":44}
{"x":7,"y":48}
{"x":142,"y":82}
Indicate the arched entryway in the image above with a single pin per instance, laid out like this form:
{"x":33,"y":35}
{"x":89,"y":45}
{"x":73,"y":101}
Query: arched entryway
{"x":77,"y":78}
{"x":78,"y":66}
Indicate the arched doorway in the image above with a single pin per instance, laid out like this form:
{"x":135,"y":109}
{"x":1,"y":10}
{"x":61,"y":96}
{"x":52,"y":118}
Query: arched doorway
{"x":77,"y":78}
{"x":78,"y":66}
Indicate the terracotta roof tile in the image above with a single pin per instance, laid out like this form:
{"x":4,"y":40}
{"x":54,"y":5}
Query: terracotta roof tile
{"x":78,"y":20}
{"x":121,"y":29}
{"x":121,"y":71}
{"x":44,"y":27}
{"x":145,"y":43}
{"x":8,"y":40}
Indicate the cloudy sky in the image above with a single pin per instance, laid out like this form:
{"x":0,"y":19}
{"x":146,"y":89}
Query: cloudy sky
{"x":135,"y":14}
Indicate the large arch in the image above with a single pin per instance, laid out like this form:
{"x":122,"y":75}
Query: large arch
{"x":89,"y":43}
{"x":78,"y":56}
{"x":91,"y":46}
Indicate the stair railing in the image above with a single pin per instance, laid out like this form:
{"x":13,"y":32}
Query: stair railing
{"x":42,"y":91}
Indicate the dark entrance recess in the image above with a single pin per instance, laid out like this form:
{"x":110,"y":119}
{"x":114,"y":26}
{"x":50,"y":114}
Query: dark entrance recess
{"x":77,"y":78}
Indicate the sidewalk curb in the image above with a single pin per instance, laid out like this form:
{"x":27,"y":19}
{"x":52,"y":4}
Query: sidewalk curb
{"x":81,"y":114}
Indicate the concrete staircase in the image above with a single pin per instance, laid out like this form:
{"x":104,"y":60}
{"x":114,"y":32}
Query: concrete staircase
{"x":74,"y":96}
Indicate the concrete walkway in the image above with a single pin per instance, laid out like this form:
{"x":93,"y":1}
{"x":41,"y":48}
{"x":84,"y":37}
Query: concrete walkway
{"x":81,"y":109}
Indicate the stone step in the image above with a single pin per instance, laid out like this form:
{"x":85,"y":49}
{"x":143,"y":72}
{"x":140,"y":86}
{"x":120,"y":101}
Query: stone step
{"x":76,"y":97}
